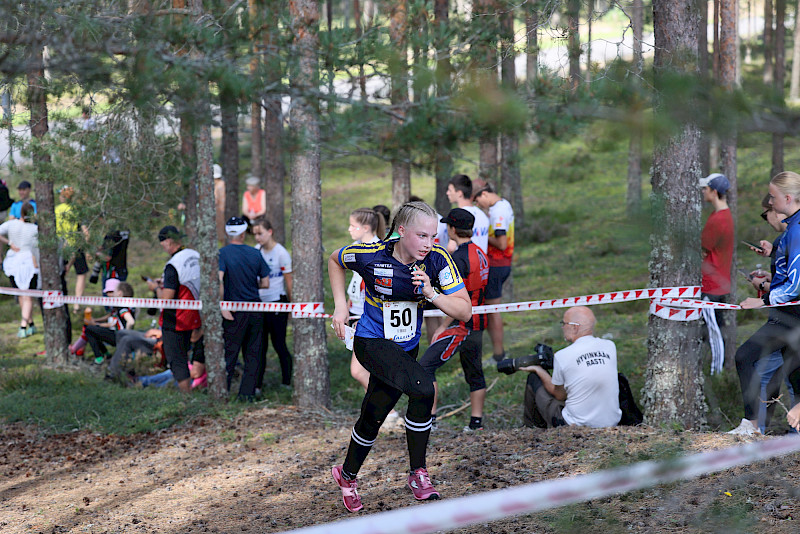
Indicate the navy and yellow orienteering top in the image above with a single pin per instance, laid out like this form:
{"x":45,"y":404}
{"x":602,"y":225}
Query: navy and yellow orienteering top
{"x":388,"y":287}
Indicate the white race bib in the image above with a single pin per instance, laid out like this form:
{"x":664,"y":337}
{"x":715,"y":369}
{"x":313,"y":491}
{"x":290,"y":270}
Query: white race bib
{"x":399,"y":320}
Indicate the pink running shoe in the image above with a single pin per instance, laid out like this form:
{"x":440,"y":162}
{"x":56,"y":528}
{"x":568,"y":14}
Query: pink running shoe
{"x":350,"y":497}
{"x":420,"y":484}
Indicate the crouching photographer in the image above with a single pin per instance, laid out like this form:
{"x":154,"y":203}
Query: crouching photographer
{"x":584,"y":389}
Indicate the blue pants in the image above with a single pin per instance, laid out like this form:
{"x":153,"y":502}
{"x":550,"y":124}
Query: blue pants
{"x":158,"y":381}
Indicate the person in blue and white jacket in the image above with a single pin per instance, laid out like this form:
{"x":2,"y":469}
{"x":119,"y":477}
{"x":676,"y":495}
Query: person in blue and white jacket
{"x":780,"y":331}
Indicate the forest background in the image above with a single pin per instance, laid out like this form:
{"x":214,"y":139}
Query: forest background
{"x":388,"y":99}
{"x":347,"y":104}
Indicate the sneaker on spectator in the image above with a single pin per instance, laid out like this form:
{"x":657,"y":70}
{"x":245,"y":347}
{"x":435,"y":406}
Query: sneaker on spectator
{"x":30,"y":330}
{"x":421,"y":486}
{"x":745,"y":428}
{"x":468,"y":429}
{"x":99,"y":360}
{"x":22,"y":332}
{"x":350,"y":497}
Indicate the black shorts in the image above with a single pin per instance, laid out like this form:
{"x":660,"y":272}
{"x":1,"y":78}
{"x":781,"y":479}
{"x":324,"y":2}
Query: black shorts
{"x":468,"y":343}
{"x":497,"y":277}
{"x":385,"y":360}
{"x":81,"y":267}
{"x":32,"y":285}
{"x":176,"y":349}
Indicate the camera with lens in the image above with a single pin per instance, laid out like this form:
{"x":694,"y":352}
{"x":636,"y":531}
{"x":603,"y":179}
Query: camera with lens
{"x":95,"y":276}
{"x":543,"y":357}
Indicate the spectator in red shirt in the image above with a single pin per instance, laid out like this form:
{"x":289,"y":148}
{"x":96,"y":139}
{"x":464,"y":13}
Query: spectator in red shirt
{"x":717,"y":244}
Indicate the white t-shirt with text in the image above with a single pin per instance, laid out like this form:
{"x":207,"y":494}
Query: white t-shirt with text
{"x":279,"y":262}
{"x":588,"y":371}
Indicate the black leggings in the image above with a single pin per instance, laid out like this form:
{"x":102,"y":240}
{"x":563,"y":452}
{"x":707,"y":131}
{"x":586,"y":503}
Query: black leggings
{"x":273,"y":326}
{"x":777,"y":334}
{"x":98,"y":336}
{"x":393,"y":372}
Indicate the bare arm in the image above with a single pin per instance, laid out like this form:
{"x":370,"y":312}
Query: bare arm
{"x":457,"y":305}
{"x":500,"y":243}
{"x":287,"y":278}
{"x":558,"y":392}
{"x":336,"y":276}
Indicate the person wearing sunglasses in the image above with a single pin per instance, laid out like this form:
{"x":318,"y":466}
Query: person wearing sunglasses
{"x":584,"y":388}
{"x":768,"y":367}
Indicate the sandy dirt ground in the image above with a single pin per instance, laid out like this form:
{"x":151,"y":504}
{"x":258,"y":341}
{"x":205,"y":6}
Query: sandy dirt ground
{"x":268,"y":470}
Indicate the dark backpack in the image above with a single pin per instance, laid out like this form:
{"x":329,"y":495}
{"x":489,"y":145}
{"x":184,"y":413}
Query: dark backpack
{"x":5,"y":199}
{"x":631,"y":414}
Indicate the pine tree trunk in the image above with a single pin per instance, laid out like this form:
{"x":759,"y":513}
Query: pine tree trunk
{"x":311,"y":378}
{"x":509,"y":140}
{"x":274,"y":167}
{"x":780,"y":78}
{"x":702,"y":37}
{"x":769,"y":43}
{"x":230,"y":147}
{"x":55,"y":336}
{"x":398,"y":67}
{"x":256,"y":141}
{"x":633,"y":200}
{"x":727,"y":68}
{"x":189,"y":158}
{"x":532,"y":43}
{"x":574,"y":43}
{"x":673,"y":391}
{"x":486,"y":65}
{"x":589,"y":13}
{"x":715,"y":58}
{"x":362,"y":80}
{"x":443,"y":162}
{"x":794,"y":89}
{"x":208,"y":248}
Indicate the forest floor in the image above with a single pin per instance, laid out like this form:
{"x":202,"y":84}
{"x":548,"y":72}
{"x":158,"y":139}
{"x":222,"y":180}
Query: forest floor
{"x":268,"y":470}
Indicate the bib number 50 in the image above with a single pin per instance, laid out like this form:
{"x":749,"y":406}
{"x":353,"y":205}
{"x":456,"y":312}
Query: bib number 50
{"x":399,"y":320}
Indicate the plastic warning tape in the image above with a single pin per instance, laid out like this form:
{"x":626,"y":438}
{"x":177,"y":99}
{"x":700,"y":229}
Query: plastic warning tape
{"x":684,"y":292}
{"x":531,"y":498}
{"x":674,"y":314}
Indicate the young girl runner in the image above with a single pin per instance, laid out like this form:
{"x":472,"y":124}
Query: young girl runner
{"x":400,"y":275}
{"x":366,"y":226}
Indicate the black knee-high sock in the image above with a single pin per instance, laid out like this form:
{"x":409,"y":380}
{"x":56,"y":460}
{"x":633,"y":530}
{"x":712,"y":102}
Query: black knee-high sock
{"x":417,"y":435}
{"x":356,"y":454}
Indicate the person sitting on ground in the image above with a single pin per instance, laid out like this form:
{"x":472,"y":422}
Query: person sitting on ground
{"x":98,"y":334}
{"x":129,"y":341}
{"x":21,"y":264}
{"x":197,"y":370}
{"x":584,"y":388}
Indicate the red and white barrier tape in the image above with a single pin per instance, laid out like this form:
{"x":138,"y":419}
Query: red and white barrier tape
{"x":674,"y":314}
{"x":530,"y":498}
{"x":586,"y":300}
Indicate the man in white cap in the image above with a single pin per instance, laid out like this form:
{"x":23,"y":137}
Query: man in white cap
{"x":716,"y":241}
{"x":242,"y":271}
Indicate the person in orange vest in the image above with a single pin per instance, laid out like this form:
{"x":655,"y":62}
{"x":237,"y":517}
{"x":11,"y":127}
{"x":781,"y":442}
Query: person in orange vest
{"x":254,"y":200}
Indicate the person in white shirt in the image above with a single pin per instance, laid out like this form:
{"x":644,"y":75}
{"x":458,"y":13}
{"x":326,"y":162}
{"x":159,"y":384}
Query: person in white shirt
{"x":501,"y":252}
{"x":459,"y":192}
{"x":584,"y":388}
{"x":21,"y":263}
{"x":280,"y":290}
